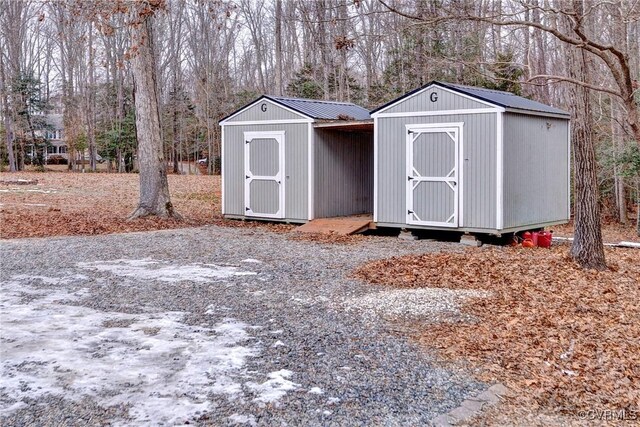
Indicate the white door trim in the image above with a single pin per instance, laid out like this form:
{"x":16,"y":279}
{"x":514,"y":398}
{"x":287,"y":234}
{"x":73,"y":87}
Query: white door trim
{"x":453,"y":178}
{"x":279,"y":177}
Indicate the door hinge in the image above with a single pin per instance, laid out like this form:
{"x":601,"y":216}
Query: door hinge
{"x":409,"y":131}
{"x":247,"y":177}
{"x":247,"y":209}
{"x":246,"y":142}
{"x":409,"y":178}
{"x":409,"y":212}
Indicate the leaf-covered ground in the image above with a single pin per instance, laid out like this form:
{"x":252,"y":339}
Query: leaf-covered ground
{"x":566,"y":339}
{"x":63,"y":204}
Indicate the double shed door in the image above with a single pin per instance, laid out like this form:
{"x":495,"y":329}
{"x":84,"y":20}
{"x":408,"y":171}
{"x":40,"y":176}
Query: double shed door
{"x":433,"y":171}
{"x":264,"y":171}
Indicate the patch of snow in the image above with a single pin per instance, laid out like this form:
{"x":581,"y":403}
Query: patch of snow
{"x":147,"y":269}
{"x":243,"y":419}
{"x":333,"y":401}
{"x":274,"y":388}
{"x":315,"y":390}
{"x":277,"y":331}
{"x":163,"y":368}
{"x":327,"y":412}
{"x":278,"y":344}
{"x":255,"y":261}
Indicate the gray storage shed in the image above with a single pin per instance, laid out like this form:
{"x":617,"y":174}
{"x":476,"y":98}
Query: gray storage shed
{"x":470,"y":159}
{"x":290,"y":159}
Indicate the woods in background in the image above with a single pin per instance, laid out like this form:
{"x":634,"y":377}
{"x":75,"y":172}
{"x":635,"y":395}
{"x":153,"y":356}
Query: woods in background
{"x":212,"y":56}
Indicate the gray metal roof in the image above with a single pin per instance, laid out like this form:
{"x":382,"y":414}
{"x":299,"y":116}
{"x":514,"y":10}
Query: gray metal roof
{"x":323,"y":110}
{"x":503,"y":99}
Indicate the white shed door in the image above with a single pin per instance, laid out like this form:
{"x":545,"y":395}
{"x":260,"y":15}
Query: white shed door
{"x":432,"y":175}
{"x":264,"y":169}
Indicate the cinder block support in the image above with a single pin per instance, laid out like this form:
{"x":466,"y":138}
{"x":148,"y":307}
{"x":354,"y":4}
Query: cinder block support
{"x":469,"y":240}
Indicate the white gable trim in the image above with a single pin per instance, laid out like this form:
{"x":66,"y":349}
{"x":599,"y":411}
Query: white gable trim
{"x":267,"y":122}
{"x":442,"y":112}
{"x":421,"y":91}
{"x":260,"y":100}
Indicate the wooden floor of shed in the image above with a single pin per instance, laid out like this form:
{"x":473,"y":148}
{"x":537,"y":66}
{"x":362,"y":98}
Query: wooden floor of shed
{"x":342,"y":225}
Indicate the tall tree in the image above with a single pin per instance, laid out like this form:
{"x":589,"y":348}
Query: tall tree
{"x":154,"y":186}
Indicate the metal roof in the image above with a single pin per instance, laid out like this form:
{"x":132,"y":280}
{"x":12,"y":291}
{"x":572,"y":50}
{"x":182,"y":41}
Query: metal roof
{"x":323,"y":110}
{"x":503,"y":99}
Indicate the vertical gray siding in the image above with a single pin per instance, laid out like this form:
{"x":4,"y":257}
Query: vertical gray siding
{"x":535,"y":170}
{"x":446,"y":101}
{"x":479,"y":164}
{"x":424,"y":196}
{"x":295,"y":171}
{"x":265,"y":196}
{"x":343,"y":173}
{"x":274,"y":112}
{"x":264,"y":157}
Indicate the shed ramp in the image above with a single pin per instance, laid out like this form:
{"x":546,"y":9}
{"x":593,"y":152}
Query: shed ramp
{"x":342,"y":225}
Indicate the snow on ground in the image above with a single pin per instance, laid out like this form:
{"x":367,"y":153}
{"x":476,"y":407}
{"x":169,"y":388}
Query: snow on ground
{"x":164,"y":369}
{"x":243,"y":419}
{"x":316,"y":390}
{"x":275,"y":387}
{"x":156,"y":270}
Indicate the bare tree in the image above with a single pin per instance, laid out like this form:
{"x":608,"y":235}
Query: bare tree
{"x":154,"y":187}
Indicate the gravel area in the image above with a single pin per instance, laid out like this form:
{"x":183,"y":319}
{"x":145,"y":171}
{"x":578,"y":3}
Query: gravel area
{"x":215,"y":326}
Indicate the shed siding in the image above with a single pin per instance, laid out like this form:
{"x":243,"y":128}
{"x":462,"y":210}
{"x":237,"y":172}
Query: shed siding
{"x":343,"y":173}
{"x":295,"y":173}
{"x":479,"y":176}
{"x":535,"y":170}
{"x":446,"y":101}
{"x":274,"y":112}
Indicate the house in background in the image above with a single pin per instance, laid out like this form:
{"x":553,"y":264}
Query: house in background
{"x":53,"y":132}
{"x":51,"y":128}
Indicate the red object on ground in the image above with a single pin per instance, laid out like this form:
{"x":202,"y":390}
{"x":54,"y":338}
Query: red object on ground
{"x":526,"y":235}
{"x":534,"y":237}
{"x":527,"y":243}
{"x":545,"y":238}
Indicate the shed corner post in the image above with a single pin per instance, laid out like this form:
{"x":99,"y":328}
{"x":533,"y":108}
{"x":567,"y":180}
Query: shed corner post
{"x":311,"y":171}
{"x":499,"y":171}
{"x":375,"y":169}
{"x":222,"y":212}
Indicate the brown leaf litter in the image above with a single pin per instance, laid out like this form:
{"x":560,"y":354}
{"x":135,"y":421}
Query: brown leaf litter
{"x":566,"y":339}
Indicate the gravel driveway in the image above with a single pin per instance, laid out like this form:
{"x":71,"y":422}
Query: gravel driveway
{"x":214,"y":326}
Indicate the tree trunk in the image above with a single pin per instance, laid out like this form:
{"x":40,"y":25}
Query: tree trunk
{"x":8,"y":125}
{"x":154,"y":187}
{"x":618,"y":180}
{"x":587,"y":248}
{"x":278,"y":36}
